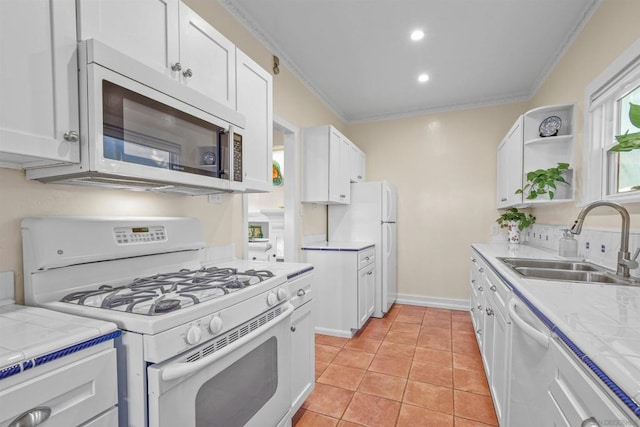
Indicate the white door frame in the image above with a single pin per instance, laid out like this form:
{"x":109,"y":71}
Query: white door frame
{"x":291,"y":199}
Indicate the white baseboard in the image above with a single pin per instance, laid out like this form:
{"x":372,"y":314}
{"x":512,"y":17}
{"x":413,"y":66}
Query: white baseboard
{"x":435,"y":302}
{"x":333,"y":332}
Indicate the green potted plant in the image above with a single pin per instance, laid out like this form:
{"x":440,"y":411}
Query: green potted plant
{"x":629,"y":141}
{"x":543,"y":181}
{"x":515,"y":221}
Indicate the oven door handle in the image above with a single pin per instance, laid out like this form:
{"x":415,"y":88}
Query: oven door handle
{"x":182,"y":369}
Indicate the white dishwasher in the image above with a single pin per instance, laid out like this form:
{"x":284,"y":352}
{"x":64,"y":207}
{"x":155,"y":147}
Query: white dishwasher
{"x":532,"y":368}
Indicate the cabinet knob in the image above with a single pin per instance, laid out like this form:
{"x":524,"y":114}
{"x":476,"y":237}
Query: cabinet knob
{"x":370,"y":273}
{"x":480,"y":288}
{"x":489,"y":311}
{"x":481,"y":270}
{"x":71,"y":136}
{"x":493,"y":288}
{"x":479,"y":307}
{"x":359,"y":176}
{"x":473,"y":260}
{"x":176,"y":67}
{"x":301,"y":292}
{"x":187,"y":72}
{"x":293,"y":328}
{"x":479,"y":331}
{"x":504,"y":199}
{"x":473,"y":281}
{"x":343,"y":196}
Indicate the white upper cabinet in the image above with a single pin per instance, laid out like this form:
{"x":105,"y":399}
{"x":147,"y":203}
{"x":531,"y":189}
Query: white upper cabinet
{"x":326,"y":164}
{"x":531,"y":144}
{"x":167,"y":36}
{"x":147,"y":30}
{"x":39,"y":114}
{"x":510,"y":167}
{"x":358,"y":164}
{"x":543,"y":152}
{"x":207,"y":58}
{"x":255,"y":100}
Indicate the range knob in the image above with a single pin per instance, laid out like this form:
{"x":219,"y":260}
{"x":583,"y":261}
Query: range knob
{"x":215,"y":324}
{"x":194,"y":334}
{"x":271,"y":298}
{"x":282,"y":294}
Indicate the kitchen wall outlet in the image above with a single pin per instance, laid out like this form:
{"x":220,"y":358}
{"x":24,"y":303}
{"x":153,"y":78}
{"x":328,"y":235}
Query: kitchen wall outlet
{"x":215,"y":198}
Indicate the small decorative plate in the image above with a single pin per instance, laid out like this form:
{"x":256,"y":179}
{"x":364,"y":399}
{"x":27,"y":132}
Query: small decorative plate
{"x":550,"y":126}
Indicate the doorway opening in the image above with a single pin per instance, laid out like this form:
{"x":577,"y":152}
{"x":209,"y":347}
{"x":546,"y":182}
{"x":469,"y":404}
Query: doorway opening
{"x":270,"y":218}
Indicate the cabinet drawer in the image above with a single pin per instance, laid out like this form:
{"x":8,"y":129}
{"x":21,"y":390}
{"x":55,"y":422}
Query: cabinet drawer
{"x":577,"y":396}
{"x":498,"y":290}
{"x":366,"y":257}
{"x":75,"y":392}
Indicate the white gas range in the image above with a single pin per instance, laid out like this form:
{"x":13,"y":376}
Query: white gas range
{"x":201,"y":344}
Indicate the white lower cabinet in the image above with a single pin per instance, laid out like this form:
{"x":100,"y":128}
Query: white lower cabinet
{"x":302,"y":342}
{"x":493,"y":330}
{"x":534,"y":378}
{"x":345,"y":289}
{"x":576,"y":399}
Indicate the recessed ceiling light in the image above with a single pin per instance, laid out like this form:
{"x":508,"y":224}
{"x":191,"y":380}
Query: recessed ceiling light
{"x":417,"y":35}
{"x":423,"y":77}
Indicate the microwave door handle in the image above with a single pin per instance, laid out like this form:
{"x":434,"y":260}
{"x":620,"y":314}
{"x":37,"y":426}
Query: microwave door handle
{"x":182,"y":369}
{"x":230,"y":152}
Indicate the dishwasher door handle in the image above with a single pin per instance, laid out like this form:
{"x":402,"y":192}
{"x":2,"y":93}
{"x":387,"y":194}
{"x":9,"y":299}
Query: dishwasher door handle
{"x":539,"y":337}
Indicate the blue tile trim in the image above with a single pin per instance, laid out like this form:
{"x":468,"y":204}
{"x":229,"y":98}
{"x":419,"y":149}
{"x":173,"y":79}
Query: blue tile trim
{"x":9,"y":371}
{"x":298,"y":273}
{"x":624,"y":397}
{"x":338,"y":249}
{"x":41,"y":360}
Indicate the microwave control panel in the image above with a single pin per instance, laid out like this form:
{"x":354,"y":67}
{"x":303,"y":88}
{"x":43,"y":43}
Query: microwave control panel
{"x":131,"y":235}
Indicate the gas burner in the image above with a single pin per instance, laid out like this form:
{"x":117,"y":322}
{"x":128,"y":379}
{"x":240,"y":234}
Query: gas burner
{"x":166,"y":292}
{"x":165,"y":306}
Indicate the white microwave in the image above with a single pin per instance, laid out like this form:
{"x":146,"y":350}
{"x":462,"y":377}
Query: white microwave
{"x":140,"y":129}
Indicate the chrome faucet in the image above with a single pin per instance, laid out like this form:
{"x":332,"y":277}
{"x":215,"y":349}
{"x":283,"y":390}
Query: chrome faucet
{"x":625,"y":261}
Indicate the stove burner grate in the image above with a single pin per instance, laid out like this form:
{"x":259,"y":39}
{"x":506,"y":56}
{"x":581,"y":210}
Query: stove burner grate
{"x":165,"y":292}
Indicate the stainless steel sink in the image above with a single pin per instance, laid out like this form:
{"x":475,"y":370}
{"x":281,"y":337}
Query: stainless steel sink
{"x":552,"y":264}
{"x":571,"y":271}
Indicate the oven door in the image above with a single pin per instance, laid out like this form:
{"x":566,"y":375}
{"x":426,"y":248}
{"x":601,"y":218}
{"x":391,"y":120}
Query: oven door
{"x":245,"y":382}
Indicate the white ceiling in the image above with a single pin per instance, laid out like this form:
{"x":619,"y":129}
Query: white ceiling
{"x":357,"y":56}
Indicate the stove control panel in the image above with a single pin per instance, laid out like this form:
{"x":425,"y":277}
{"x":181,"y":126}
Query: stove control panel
{"x":133,"y":235}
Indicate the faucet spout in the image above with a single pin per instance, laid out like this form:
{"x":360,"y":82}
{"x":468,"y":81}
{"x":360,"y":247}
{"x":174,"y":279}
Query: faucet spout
{"x":624,"y":260}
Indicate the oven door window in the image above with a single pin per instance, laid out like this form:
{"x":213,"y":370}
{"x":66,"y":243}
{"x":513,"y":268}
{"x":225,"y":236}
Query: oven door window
{"x":232,"y":397}
{"x":140,"y":130}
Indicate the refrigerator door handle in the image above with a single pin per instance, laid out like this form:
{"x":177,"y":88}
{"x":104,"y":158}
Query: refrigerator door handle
{"x":387,"y":228}
{"x":387,"y":205}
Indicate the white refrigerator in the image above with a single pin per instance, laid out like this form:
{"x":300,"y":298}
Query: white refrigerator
{"x":372,"y":217}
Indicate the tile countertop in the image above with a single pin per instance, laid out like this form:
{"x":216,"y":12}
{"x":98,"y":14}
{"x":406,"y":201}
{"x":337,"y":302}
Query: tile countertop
{"x":337,"y":246}
{"x":602,"y":320}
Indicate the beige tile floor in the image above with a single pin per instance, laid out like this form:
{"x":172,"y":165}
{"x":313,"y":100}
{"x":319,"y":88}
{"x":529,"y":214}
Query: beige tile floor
{"x":416,"y":367}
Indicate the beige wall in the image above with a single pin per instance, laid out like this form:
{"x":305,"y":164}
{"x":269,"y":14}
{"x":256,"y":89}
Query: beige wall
{"x":443,"y":164}
{"x":609,"y":32}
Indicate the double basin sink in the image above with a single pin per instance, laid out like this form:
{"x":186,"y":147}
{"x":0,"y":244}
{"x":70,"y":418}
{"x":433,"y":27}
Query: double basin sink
{"x":572,"y":271}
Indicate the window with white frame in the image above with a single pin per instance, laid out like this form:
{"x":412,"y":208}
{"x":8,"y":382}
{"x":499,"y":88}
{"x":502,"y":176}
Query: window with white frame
{"x":610,"y":175}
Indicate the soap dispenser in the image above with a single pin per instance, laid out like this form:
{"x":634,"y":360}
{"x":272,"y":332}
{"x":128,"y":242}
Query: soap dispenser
{"x":568,"y":245}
